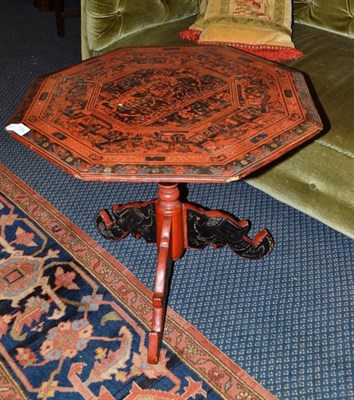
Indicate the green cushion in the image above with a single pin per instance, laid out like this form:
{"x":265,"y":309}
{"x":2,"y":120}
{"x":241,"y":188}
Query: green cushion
{"x":162,"y":35}
{"x":331,"y":15}
{"x":107,"y":21}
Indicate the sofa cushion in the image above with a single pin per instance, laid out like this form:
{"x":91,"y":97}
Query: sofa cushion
{"x":261,"y":27}
{"x":107,"y":21}
{"x":332,"y":15}
{"x":161,"y":35}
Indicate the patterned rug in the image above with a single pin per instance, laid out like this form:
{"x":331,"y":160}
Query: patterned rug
{"x":74,"y":321}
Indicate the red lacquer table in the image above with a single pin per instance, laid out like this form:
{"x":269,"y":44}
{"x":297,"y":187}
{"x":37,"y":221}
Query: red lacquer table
{"x":170,"y":115}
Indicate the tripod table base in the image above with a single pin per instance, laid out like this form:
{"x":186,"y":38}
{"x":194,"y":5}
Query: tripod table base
{"x":175,"y":226}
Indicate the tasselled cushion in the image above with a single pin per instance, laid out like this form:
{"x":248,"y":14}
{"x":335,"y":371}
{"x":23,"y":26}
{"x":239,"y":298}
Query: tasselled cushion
{"x":261,"y":27}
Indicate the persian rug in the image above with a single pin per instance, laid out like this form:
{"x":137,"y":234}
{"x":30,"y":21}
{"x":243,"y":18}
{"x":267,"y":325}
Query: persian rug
{"x":74,"y":321}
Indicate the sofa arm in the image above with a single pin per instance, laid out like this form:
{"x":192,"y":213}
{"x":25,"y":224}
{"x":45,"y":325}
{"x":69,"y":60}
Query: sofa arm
{"x":104,"y":22}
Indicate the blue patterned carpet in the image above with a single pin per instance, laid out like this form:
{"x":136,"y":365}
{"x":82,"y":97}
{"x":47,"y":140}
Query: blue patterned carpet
{"x":287,"y":320}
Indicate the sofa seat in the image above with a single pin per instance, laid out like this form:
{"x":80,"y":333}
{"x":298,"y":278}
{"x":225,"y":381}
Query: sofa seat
{"x":318,"y":178}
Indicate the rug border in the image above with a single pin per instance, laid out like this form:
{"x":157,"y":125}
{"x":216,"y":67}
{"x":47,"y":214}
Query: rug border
{"x":9,"y":386}
{"x":201,"y":359}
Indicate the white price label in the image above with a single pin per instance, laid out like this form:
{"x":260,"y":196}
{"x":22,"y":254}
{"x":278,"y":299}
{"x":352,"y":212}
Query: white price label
{"x":20,"y":129}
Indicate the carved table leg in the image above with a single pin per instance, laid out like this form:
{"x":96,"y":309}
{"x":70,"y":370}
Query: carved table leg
{"x":135,"y":218}
{"x":175,"y":227}
{"x":221,"y":229}
{"x":170,"y":237}
{"x":159,"y":299}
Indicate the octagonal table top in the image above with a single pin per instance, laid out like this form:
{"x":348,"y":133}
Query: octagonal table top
{"x":189,"y":114}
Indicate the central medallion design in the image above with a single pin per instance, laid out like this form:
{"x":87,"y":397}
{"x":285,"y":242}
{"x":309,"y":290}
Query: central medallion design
{"x":155,"y":97}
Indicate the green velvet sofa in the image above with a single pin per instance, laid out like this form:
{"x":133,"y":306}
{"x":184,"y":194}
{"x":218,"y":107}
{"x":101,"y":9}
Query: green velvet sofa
{"x":318,"y":178}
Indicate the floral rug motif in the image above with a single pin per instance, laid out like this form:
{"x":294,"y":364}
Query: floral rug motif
{"x":74,"y":321}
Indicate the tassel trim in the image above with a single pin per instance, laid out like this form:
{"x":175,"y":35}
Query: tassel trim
{"x":272,"y":53}
{"x":190,"y":34}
